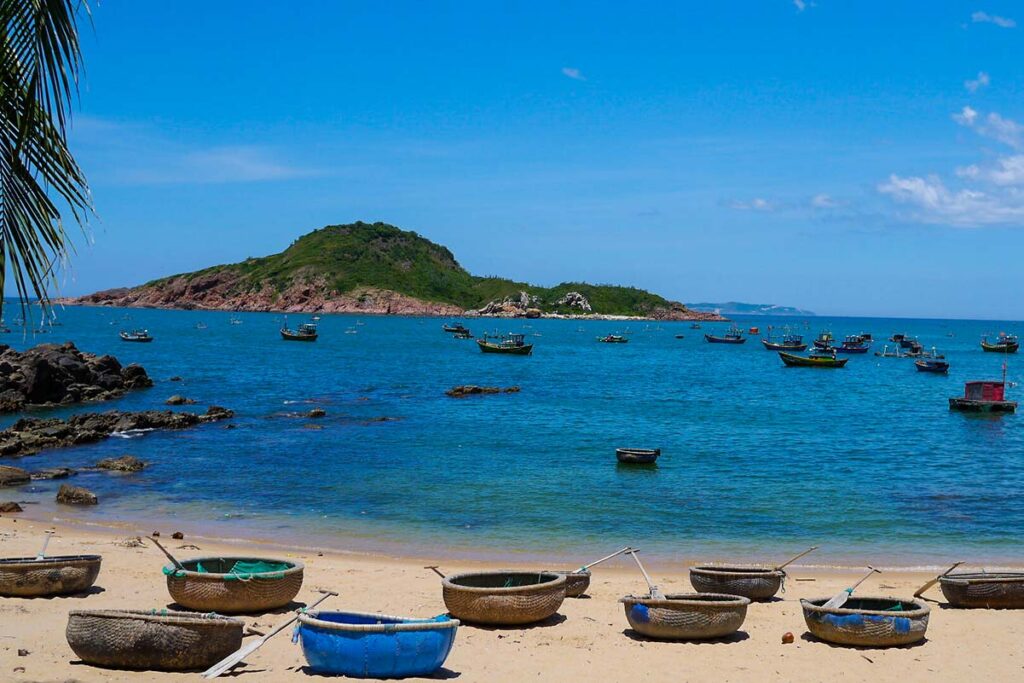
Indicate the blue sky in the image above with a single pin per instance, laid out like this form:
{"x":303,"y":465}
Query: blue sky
{"x":850,"y":158}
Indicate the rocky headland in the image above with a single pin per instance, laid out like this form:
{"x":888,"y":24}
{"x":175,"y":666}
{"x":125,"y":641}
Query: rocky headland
{"x":378,"y":269}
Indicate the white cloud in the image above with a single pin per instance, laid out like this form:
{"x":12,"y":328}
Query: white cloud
{"x":800,"y":5}
{"x":930,"y":201}
{"x":755,"y":204}
{"x":976,"y":84}
{"x":823,"y":201}
{"x":986,"y":18}
{"x":966,"y":117}
{"x":573,"y":73}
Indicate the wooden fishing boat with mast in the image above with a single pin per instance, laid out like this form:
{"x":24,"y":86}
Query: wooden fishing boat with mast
{"x":732,"y":336}
{"x":986,"y":396}
{"x":307,"y":332}
{"x":1004,"y":343}
{"x":790,"y":342}
{"x":510,"y":344}
{"x":819,"y":359}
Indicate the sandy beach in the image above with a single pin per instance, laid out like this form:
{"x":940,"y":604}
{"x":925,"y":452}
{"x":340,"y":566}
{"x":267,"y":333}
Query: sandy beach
{"x":589,"y":640}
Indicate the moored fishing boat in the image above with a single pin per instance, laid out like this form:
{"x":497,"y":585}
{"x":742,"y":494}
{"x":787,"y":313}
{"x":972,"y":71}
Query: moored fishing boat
{"x":503,"y":598}
{"x":933,"y":365}
{"x":364,"y":645}
{"x":986,"y":396}
{"x":732,"y":336}
{"x":307,"y":332}
{"x":511,"y":344}
{"x":613,"y":339}
{"x":637,"y":456}
{"x":819,"y":360}
{"x":824,"y":340}
{"x":454,"y":327}
{"x":463,"y":334}
{"x":867,"y":621}
{"x":137,"y":335}
{"x":886,"y":353}
{"x":1004,"y":343}
{"x":854,"y":343}
{"x":789,"y":342}
{"x":995,"y":590}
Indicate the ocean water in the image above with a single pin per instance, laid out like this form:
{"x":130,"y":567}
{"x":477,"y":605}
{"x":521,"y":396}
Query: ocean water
{"x":758,"y":460}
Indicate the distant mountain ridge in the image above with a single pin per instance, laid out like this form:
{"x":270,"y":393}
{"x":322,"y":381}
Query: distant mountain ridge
{"x":379,"y":268}
{"x":739,"y":308}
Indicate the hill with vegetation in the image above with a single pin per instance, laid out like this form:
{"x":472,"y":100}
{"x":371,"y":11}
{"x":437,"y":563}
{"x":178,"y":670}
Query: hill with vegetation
{"x":378,"y":268}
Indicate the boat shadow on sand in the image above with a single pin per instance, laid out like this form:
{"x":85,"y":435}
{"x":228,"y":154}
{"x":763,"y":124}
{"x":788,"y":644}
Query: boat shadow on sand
{"x":81,"y":595}
{"x":807,"y":637}
{"x":442,"y":674}
{"x":737,"y":637}
{"x":284,"y":609}
{"x":553,"y":620}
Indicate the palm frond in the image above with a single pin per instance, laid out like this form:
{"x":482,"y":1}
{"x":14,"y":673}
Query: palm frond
{"x":40,"y":63}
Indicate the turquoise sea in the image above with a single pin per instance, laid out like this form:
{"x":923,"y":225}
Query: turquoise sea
{"x":758,"y":460}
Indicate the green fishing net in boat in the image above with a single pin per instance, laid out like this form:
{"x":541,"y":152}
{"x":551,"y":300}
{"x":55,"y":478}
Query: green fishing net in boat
{"x":241,"y":570}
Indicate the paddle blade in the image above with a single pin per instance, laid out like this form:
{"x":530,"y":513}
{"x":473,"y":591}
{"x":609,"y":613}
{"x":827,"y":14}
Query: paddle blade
{"x":229,"y":662}
{"x":838,"y":600}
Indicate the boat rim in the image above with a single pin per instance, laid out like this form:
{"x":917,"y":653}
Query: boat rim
{"x":691,"y":599}
{"x":164,"y":615}
{"x":966,"y":578}
{"x":554,"y":581}
{"x":171,"y":570}
{"x":921,"y":609}
{"x":405,"y":623}
{"x":49,"y":559}
{"x":725,"y":569}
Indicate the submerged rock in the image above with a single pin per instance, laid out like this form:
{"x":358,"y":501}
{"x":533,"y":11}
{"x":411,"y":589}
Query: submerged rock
{"x":13,"y":476}
{"x":52,"y":374}
{"x":126,"y":463}
{"x":316,"y":412}
{"x":54,"y":473}
{"x":177,"y":400}
{"x":10,"y":506}
{"x":76,"y":495}
{"x":31,"y":435}
{"x":471,"y":390}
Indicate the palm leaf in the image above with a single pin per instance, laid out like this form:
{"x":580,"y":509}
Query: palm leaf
{"x":40,"y":182}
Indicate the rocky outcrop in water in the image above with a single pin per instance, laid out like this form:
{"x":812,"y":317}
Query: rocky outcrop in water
{"x":13,"y":476}
{"x":76,"y":495}
{"x":126,"y":463}
{"x":52,"y":374}
{"x":31,"y":435}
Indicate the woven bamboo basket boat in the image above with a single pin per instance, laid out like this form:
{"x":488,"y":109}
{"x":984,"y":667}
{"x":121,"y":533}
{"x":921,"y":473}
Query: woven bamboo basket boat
{"x":1003,"y":590}
{"x":504,"y":598}
{"x":162,"y":641}
{"x":686,"y":616}
{"x":27,"y":577}
{"x":867,"y":621}
{"x":576,"y":582}
{"x":223,"y":584}
{"x":756,"y":583}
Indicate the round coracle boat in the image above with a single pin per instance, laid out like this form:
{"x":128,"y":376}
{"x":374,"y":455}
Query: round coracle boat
{"x":28,"y":577}
{"x":153,"y":640}
{"x":375,"y":645}
{"x":504,"y":598}
{"x":867,"y":621}
{"x":756,"y":583}
{"x":637,"y":456}
{"x":686,"y":616}
{"x":576,"y":582}
{"x":997,"y":590}
{"x":234,"y":585}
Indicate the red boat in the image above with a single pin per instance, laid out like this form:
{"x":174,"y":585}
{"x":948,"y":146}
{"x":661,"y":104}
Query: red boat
{"x":984,"y":397}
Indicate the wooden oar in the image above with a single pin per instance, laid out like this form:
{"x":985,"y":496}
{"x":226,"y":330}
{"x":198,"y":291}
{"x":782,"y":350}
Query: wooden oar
{"x":46,"y":542}
{"x":655,"y":592}
{"x":920,"y":591}
{"x":226,"y":664}
{"x":177,"y":565}
{"x":607,"y":557}
{"x":840,"y":598}
{"x":795,"y":558}
{"x":433,"y":568}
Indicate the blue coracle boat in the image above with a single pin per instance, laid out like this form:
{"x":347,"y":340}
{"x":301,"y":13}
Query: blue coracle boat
{"x":375,"y":645}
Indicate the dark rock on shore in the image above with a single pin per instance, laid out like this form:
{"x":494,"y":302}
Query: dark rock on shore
{"x":76,"y":495}
{"x":60,"y":374}
{"x":177,"y":400}
{"x":54,"y":473}
{"x":13,"y":476}
{"x":126,"y":463}
{"x":471,"y":390}
{"x":31,"y":435}
{"x":10,"y":506}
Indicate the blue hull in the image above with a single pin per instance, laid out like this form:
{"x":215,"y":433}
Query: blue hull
{"x":375,"y":646}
